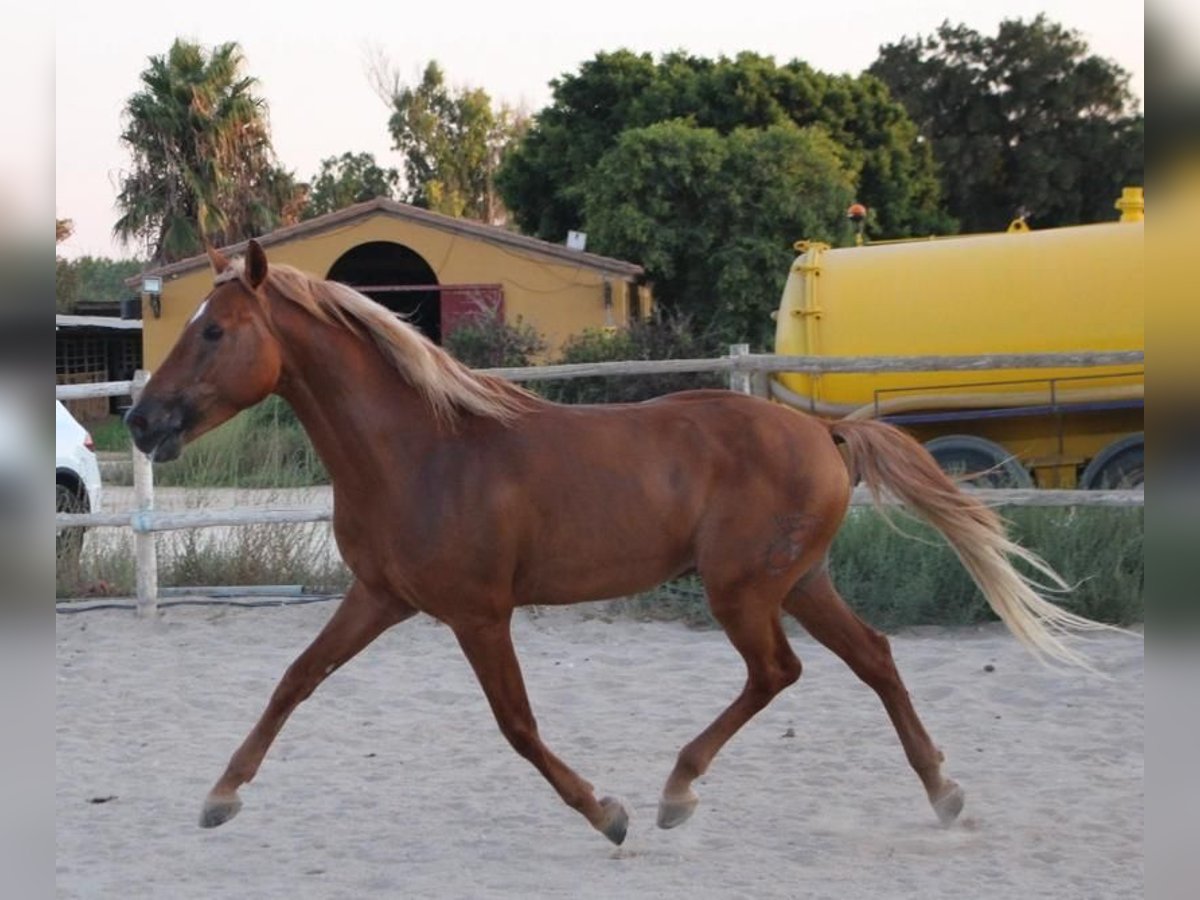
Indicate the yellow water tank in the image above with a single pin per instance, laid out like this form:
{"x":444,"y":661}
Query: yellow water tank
{"x":1025,"y":291}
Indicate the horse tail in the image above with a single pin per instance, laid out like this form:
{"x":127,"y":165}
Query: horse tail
{"x":890,"y":461}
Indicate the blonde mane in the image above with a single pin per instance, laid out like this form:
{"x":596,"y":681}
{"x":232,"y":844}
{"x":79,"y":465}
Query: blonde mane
{"x":449,"y":387}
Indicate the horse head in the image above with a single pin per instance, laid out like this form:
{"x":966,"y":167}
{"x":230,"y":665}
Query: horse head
{"x":227,"y":358}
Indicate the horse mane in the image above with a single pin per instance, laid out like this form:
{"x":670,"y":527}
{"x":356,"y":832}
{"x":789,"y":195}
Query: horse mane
{"x":447,"y":386}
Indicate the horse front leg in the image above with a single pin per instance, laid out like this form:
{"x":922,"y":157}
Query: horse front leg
{"x":359,"y":619}
{"x":489,"y":649}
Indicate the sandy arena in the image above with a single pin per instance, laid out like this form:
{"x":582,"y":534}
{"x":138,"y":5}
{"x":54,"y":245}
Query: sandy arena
{"x":393,"y":780}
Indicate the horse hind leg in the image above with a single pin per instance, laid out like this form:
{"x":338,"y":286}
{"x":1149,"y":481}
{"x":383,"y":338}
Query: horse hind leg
{"x":756,"y":633}
{"x":824,"y":614}
{"x":358,"y":620}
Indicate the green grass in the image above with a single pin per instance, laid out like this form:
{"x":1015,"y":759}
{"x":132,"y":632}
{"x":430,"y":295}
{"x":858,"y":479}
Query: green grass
{"x":893,"y":581}
{"x":263,"y":447}
{"x":110,"y":435}
{"x":248,"y":452}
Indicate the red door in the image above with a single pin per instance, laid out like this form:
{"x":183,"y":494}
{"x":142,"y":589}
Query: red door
{"x":460,"y":303}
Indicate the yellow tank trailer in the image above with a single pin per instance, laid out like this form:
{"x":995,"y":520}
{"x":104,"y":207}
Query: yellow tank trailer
{"x":1025,"y":291}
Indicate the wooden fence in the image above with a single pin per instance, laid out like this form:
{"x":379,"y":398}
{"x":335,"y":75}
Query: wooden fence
{"x":747,"y":373}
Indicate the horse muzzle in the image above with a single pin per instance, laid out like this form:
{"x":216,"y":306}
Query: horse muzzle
{"x":158,"y":428}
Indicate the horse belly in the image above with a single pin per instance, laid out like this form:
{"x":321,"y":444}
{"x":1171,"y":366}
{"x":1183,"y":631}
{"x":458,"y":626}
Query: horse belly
{"x":601,"y":555}
{"x":581,"y":579}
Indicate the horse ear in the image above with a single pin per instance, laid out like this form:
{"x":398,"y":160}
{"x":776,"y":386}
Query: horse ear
{"x":256,"y":264}
{"x":216,"y":257}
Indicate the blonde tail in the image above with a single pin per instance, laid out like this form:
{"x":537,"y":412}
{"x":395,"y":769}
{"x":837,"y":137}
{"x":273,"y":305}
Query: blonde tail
{"x":890,"y":461}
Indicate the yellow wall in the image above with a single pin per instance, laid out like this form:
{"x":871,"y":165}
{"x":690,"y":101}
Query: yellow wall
{"x":555,"y":297}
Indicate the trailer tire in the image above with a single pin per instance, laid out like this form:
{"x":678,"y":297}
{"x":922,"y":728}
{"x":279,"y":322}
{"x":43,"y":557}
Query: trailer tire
{"x":1120,"y":465}
{"x":978,"y":462}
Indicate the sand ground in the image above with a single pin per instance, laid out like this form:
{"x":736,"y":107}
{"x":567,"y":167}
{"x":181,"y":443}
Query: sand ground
{"x":393,"y":781}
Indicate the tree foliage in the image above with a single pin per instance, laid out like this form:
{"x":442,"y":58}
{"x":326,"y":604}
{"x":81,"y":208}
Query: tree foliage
{"x":713,"y":217}
{"x":202,"y":165}
{"x":66,"y":279}
{"x":661,"y":337}
{"x":348,"y":179}
{"x":452,"y":140}
{"x":89,"y":278}
{"x":543,"y":180}
{"x":1026,"y":121}
{"x":102,"y":279}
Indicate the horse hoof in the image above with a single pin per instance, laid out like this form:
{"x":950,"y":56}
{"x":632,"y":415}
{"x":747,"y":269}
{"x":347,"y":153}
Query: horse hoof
{"x":616,"y":820}
{"x":672,"y":812}
{"x":219,"y":809}
{"x":950,"y":803}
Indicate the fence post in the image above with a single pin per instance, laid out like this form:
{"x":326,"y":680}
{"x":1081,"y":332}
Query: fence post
{"x":760,"y":384}
{"x":143,"y":541}
{"x":740,"y":379}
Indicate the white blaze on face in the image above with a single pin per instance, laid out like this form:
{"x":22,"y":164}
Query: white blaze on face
{"x":198,"y":313}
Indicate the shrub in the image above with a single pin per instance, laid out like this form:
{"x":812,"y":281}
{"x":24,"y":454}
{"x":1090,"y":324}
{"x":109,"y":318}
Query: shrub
{"x":486,"y":341}
{"x":893,"y":581}
{"x":666,"y":337}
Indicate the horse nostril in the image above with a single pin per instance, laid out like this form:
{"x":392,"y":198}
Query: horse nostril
{"x":135,"y":422}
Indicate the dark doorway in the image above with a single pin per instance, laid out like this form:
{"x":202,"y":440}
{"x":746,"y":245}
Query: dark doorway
{"x":387,"y":265}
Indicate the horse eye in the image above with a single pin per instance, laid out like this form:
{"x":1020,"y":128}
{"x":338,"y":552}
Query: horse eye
{"x":212,"y":332}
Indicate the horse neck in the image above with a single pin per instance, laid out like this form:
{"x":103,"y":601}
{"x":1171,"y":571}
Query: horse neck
{"x":346,"y":394}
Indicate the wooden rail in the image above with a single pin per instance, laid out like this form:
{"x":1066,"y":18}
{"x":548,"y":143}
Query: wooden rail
{"x":96,"y":389}
{"x":151,"y":521}
{"x":817,"y":365}
{"x":748,"y":362}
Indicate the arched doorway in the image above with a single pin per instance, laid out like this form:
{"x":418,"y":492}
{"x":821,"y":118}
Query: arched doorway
{"x":388,"y":265}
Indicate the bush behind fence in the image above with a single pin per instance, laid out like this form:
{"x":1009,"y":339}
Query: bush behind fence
{"x":894,"y":581}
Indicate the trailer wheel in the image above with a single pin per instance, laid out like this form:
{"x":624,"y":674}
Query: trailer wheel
{"x":1118,"y":466}
{"x":978,"y":462}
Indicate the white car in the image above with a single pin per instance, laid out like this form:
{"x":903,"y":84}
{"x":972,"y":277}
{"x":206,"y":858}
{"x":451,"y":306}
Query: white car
{"x":76,"y":474}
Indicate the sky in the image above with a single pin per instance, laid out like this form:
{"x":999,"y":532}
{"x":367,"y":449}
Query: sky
{"x":311,"y":61}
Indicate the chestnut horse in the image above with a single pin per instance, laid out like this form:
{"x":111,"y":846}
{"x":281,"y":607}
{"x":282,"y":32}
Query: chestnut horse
{"x":463,"y":496}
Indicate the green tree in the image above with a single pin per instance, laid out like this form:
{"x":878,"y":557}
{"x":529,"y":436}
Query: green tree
{"x":713,"y":217}
{"x":202,"y":165}
{"x":543,"y":179}
{"x":661,"y":337}
{"x":103,"y":280}
{"x":1027,"y":121}
{"x":348,"y":179}
{"x":452,"y":141}
{"x":66,"y":279}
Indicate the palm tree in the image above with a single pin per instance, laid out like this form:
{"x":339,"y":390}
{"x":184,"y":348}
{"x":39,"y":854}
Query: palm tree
{"x":202,"y":161}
